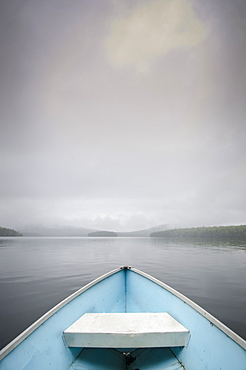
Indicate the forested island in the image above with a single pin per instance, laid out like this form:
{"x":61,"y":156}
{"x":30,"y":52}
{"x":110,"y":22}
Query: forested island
{"x":211,"y":233}
{"x":103,"y":233}
{"x":9,"y":232}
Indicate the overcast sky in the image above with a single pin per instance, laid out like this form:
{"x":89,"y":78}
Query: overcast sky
{"x":122,"y":115}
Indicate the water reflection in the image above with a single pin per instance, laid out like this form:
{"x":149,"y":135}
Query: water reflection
{"x":222,"y":245}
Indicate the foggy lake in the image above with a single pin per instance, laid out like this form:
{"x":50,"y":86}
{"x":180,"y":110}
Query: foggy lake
{"x":37,"y":273}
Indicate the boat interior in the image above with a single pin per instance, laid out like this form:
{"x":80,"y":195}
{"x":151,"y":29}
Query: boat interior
{"x":56,"y":340}
{"x":112,"y":359}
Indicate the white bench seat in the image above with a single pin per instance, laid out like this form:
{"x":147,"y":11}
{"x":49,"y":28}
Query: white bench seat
{"x":126,"y":330}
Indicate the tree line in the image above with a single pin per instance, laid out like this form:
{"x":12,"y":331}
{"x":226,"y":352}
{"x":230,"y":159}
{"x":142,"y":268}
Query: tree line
{"x":103,"y":234}
{"x":9,"y":232}
{"x":214,"y":232}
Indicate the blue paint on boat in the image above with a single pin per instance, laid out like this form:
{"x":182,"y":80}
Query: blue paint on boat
{"x":42,"y":346}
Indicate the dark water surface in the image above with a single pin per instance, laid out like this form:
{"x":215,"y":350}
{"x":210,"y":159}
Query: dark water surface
{"x":37,"y":273}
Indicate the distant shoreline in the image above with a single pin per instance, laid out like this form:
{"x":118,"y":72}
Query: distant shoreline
{"x":229,"y":233}
{"x":103,"y":234}
{"x":4,"y":231}
{"x":210,"y":233}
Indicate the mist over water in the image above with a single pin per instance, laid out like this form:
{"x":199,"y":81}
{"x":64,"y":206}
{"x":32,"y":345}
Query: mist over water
{"x":37,"y":273}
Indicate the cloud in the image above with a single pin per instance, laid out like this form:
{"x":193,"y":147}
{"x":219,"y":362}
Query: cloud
{"x":151,"y":30}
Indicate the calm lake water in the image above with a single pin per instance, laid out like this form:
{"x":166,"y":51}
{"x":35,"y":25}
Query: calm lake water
{"x":37,"y":273}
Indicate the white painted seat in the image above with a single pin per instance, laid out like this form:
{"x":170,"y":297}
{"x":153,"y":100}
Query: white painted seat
{"x":126,"y":330}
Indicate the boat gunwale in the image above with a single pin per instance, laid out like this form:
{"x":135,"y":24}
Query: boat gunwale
{"x":230,"y":333}
{"x":21,"y":337}
{"x":30,"y":329}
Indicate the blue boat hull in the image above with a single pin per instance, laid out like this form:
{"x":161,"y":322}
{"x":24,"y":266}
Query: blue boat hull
{"x":42,"y":346}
